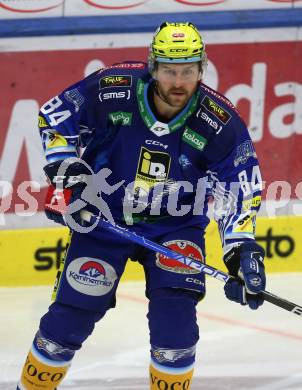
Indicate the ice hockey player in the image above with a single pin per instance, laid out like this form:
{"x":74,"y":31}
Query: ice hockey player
{"x":156,"y":143}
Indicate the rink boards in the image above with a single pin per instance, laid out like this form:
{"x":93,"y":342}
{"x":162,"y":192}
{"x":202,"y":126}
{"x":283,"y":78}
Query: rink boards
{"x":22,"y":9}
{"x":32,"y":256}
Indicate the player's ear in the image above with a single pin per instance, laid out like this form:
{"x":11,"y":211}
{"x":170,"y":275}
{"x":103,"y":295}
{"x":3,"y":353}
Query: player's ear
{"x":154,"y":70}
{"x":154,"y":74}
{"x":200,"y":72}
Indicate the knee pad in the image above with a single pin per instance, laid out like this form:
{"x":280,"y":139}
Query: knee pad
{"x":173,"y":326}
{"x":68,"y":326}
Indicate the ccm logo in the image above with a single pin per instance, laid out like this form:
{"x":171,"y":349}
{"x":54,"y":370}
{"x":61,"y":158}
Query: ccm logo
{"x":156,"y":143}
{"x":71,"y":180}
{"x":195,"y":281}
{"x":178,"y":50}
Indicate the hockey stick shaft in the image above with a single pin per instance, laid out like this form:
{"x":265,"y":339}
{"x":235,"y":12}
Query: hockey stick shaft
{"x":190,"y":262}
{"x":165,"y":251}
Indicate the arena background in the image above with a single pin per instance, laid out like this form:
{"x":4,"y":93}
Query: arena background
{"x":255,"y":51}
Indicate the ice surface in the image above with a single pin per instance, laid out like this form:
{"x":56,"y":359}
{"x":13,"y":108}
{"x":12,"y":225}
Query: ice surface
{"x":238,"y":348}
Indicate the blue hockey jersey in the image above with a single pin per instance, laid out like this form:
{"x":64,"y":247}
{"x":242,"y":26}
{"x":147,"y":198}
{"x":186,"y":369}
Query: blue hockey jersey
{"x":169,"y":170}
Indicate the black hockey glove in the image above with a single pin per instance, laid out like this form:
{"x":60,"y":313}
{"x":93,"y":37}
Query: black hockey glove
{"x":63,"y":190}
{"x":245,"y":263}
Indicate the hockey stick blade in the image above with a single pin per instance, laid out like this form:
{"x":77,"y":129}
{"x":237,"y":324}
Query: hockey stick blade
{"x":165,"y":251}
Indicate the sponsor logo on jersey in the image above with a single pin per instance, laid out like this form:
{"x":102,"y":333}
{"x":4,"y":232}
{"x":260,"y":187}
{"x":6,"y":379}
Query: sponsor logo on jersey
{"x":55,"y":140}
{"x":160,"y":128}
{"x":194,"y":139}
{"x":244,"y":152}
{"x":251,"y":203}
{"x":51,"y":347}
{"x":115,"y":95}
{"x":184,"y":247}
{"x":184,"y":162}
{"x":153,"y":167}
{"x":115,"y":81}
{"x":75,"y":97}
{"x":166,"y":381}
{"x":91,"y":276}
{"x":246,"y":224}
{"x":37,"y":374}
{"x":155,"y":143}
{"x":195,"y":281}
{"x":133,"y":65}
{"x":201,"y":114}
{"x":215,"y":109}
{"x":121,"y":118}
{"x":42,"y":122}
{"x":178,"y":35}
{"x":172,"y":355}
{"x":220,"y":97}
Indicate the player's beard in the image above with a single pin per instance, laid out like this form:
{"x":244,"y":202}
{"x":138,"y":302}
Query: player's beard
{"x":172,"y":98}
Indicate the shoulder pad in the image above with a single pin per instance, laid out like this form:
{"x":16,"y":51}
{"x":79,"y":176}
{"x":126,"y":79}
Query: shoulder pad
{"x":121,"y":75}
{"x":217,"y":104}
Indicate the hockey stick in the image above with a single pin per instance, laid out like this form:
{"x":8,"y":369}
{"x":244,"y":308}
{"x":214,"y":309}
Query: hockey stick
{"x":165,"y":251}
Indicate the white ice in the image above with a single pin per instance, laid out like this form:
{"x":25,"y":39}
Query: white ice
{"x":238,"y":348}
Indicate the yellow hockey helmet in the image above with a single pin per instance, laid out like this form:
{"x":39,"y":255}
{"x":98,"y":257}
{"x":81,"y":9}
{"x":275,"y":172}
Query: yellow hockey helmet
{"x":177,"y":43}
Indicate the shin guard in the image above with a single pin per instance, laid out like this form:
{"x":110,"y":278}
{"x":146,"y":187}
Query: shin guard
{"x":46,"y":365}
{"x":166,"y":378}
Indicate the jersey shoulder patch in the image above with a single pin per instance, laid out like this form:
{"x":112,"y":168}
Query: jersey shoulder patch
{"x":117,"y":83}
{"x":120,"y":78}
{"x":217,"y":104}
{"x":121,"y":75}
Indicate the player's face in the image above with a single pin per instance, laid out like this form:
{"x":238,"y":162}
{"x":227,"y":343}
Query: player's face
{"x":176,"y":83}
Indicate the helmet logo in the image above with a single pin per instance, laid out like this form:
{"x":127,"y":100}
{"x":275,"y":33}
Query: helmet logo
{"x":178,"y":35}
{"x":179,"y":50}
